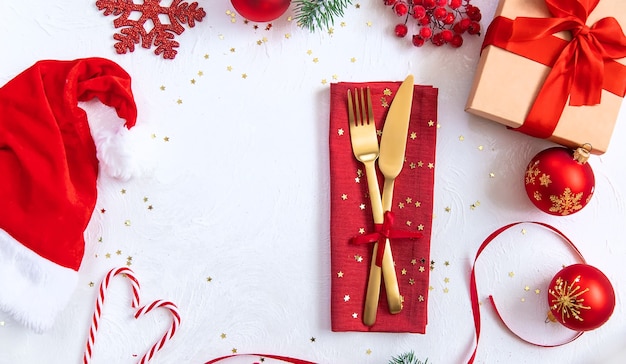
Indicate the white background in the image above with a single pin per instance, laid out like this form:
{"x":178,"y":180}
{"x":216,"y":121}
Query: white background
{"x":239,"y":193}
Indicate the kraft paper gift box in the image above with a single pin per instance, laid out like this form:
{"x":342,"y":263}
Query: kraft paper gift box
{"x":507,"y":83}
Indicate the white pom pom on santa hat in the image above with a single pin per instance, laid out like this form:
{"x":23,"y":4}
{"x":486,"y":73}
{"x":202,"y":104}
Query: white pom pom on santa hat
{"x":49,"y":172}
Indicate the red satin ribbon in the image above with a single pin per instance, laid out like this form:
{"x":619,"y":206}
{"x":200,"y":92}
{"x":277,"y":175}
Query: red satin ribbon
{"x":381,"y":233}
{"x":579,"y":66}
{"x":474,"y":290}
{"x":286,"y":359}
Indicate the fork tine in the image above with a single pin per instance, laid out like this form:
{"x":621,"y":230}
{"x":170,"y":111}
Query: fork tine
{"x":370,"y":113}
{"x":359,"y":105}
{"x":350,"y":109}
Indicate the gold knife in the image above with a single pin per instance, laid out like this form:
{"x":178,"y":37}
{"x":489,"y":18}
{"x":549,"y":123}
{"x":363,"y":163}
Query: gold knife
{"x":390,"y":163}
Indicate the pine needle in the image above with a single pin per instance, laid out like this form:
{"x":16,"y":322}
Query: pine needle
{"x":319,"y":14}
{"x":406,"y":358}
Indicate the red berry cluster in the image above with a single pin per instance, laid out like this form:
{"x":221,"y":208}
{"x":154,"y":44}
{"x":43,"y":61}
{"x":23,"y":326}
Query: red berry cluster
{"x":439,"y":21}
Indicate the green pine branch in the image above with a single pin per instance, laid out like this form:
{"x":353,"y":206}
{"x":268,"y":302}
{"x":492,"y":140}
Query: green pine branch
{"x":407,"y":358}
{"x":319,"y":14}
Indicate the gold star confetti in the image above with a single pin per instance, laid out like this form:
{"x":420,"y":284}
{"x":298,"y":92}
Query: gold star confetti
{"x":344,"y":197}
{"x":107,"y":255}
{"x":461,"y":138}
{"x":234,"y":350}
{"x":492,"y":175}
{"x":123,"y":191}
{"x":368,"y":351}
{"x":309,"y":52}
{"x":162,"y":88}
{"x":287,"y":35}
{"x":127,"y":223}
{"x":403,"y":272}
{"x":324,"y":81}
{"x":100,"y":240}
{"x":193,"y":81}
{"x":511,"y":274}
{"x":447,"y":280}
{"x":340,"y":274}
{"x":446,"y":263}
{"x":523,"y":299}
{"x":229,"y":68}
{"x":413,"y":261}
{"x":537,"y":291}
{"x":331,"y":30}
{"x":312,"y":339}
{"x":223,"y":336}
{"x":362,"y":206}
{"x":179,"y":101}
{"x":200,"y":73}
{"x":244,"y":75}
{"x":447,"y":209}
{"x":209,"y":279}
{"x":526,"y":288}
{"x":166,"y":139}
{"x":232,"y":50}
{"x":91,"y":284}
{"x":480,"y":147}
{"x":446,"y":290}
{"x":206,"y":56}
{"x":387,"y":92}
{"x":316,"y":60}
{"x":103,"y":211}
{"x":420,"y":227}
{"x":361,"y":231}
{"x":119,"y":252}
{"x":431,"y":123}
{"x":368,"y":23}
{"x":422,"y":269}
{"x":401,"y":205}
{"x":353,"y":59}
{"x":342,"y":24}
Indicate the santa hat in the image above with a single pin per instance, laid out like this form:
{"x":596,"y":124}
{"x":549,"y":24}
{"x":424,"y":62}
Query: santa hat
{"x":48,"y":172}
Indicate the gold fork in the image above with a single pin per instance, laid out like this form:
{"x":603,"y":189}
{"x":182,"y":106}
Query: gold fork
{"x":365,"y":148}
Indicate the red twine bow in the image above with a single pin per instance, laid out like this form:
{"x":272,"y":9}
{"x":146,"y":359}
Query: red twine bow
{"x":579,"y":66}
{"x":381,"y":233}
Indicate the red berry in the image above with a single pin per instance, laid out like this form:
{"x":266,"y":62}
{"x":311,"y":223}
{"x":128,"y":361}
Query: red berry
{"x":417,"y":41}
{"x":419,"y":12}
{"x":440,"y":13}
{"x":464,"y":23}
{"x":449,"y":19}
{"x":426,"y":32}
{"x":424,"y":21}
{"x":457,"y":41}
{"x":437,"y":39}
{"x":447,"y":35}
{"x":417,"y":2}
{"x":455,"y":4}
{"x":401,"y":30}
{"x":473,"y":12}
{"x":474,"y":28}
{"x":401,"y":8}
{"x":428,"y":4}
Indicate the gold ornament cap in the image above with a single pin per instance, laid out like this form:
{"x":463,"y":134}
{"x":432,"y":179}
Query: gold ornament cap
{"x":582,"y":153}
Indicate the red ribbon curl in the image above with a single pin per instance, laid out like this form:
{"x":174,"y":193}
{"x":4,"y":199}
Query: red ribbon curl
{"x":381,"y":233}
{"x":579,"y":66}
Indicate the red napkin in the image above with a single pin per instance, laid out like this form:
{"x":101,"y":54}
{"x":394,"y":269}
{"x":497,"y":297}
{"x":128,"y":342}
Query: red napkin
{"x":351,"y":213}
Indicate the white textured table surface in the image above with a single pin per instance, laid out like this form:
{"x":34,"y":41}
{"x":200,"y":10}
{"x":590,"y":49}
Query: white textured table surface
{"x":238,"y":187}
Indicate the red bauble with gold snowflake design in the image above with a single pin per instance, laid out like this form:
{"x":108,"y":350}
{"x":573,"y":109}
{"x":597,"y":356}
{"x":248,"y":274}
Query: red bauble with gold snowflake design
{"x":559,"y":181}
{"x":580,"y":297}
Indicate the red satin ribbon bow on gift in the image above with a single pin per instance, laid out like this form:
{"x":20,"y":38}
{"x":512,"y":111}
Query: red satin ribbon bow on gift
{"x":381,"y":233}
{"x":579,"y":67}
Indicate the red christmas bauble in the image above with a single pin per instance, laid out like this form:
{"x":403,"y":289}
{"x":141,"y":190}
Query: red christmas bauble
{"x":581,"y":297}
{"x":261,"y":10}
{"x":559,"y":181}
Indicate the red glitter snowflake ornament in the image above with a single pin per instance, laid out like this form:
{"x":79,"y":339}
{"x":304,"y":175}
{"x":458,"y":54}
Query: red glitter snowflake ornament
{"x":161,"y":34}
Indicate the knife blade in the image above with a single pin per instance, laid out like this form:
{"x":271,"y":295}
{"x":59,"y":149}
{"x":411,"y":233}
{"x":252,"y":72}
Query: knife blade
{"x":390,"y":163}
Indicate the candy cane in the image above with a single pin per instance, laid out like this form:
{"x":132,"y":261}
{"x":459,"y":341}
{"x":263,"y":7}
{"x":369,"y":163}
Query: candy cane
{"x":95,"y":322}
{"x":168,"y":335}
